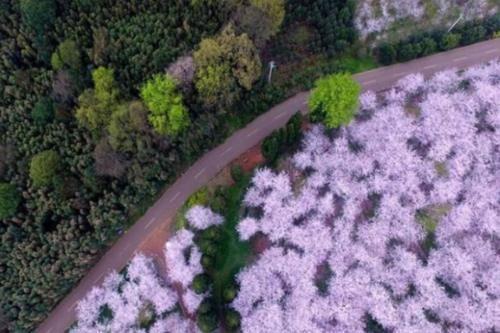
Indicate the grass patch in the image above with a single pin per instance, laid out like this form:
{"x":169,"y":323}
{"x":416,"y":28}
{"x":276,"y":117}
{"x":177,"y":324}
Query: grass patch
{"x":430,"y":216}
{"x":232,"y":254}
{"x":441,"y":169}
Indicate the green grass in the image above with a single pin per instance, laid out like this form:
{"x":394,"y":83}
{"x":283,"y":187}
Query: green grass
{"x":232,"y":254}
{"x":357,"y":65}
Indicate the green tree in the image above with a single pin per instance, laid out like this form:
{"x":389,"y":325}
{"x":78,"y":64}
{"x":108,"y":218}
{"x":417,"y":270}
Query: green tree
{"x":449,"y":41}
{"x":67,"y":55}
{"x":43,"y":167}
{"x":274,"y":9}
{"x":38,"y":15}
{"x":201,"y":283}
{"x":233,"y":319}
{"x":96,"y":105}
{"x":225,"y":66}
{"x":43,"y":111}
{"x":126,"y":124}
{"x":9,"y":200}
{"x":168,"y":115}
{"x":334,"y":100}
{"x":207,"y":322}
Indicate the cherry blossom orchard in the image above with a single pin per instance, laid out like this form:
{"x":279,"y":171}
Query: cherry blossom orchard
{"x":392,"y":222}
{"x":142,"y":299}
{"x":380,"y":16}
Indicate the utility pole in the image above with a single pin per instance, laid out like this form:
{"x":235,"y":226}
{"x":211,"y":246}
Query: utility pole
{"x":272,"y":65}
{"x":458,"y":20}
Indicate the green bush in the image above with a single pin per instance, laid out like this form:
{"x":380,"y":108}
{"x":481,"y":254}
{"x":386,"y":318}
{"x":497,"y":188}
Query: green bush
{"x":283,"y":139}
{"x":207,"y":322}
{"x":449,"y":41}
{"x":229,"y":294}
{"x":233,"y":319}
{"x":43,"y":111}
{"x":423,"y":44}
{"x":387,"y":54}
{"x":9,"y":200}
{"x":44,"y":167}
{"x":334,"y":100}
{"x":201,"y":283}
{"x":237,"y":173}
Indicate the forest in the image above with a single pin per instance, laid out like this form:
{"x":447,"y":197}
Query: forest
{"x":103,"y":103}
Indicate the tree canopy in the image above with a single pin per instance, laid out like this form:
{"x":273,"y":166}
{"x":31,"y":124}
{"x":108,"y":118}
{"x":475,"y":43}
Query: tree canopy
{"x":67,"y":54}
{"x":226,"y":65}
{"x":43,"y":168}
{"x":334,"y":100}
{"x":168,"y":114}
{"x":96,"y":105}
{"x":9,"y":200}
{"x":274,"y":9}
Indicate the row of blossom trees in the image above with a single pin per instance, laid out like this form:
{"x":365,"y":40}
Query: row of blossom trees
{"x":378,"y":16}
{"x":141,"y":299}
{"x":391,"y":223}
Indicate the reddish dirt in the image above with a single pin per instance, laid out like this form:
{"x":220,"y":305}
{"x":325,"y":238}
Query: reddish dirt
{"x":250,"y":159}
{"x":260,"y":242}
{"x":154,"y":245}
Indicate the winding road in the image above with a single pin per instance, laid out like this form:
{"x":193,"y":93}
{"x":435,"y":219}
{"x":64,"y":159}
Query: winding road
{"x":212,"y":162}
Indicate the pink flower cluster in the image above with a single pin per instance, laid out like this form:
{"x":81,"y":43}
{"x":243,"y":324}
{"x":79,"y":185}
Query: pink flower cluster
{"x":394,"y":218}
{"x":128,"y":296}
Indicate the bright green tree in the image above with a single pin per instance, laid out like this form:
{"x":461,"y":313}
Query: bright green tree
{"x":334,"y":100}
{"x":9,"y":200}
{"x":43,"y":167}
{"x":96,"y":105}
{"x":168,"y":115}
{"x":225,"y":66}
{"x":67,"y":55}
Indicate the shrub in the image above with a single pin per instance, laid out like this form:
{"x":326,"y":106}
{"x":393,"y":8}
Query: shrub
{"x":237,"y":173}
{"x":9,"y":200}
{"x":43,"y":111}
{"x":449,"y":41}
{"x":207,"y":322}
{"x":201,"y":283}
{"x":334,"y":100}
{"x":43,"y":168}
{"x":233,"y":319}
{"x":387,"y":54}
{"x":282,"y":139}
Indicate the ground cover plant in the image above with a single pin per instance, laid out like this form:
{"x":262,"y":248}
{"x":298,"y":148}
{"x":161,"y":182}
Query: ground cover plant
{"x":387,"y":225}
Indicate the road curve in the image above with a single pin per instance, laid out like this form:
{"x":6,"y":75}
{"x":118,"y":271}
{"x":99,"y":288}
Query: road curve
{"x":212,"y":162}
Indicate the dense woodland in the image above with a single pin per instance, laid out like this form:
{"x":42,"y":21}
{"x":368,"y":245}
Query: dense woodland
{"x":103,"y":103}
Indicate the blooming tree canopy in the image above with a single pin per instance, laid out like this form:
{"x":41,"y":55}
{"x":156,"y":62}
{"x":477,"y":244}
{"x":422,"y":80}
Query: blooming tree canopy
{"x":392,"y":221}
